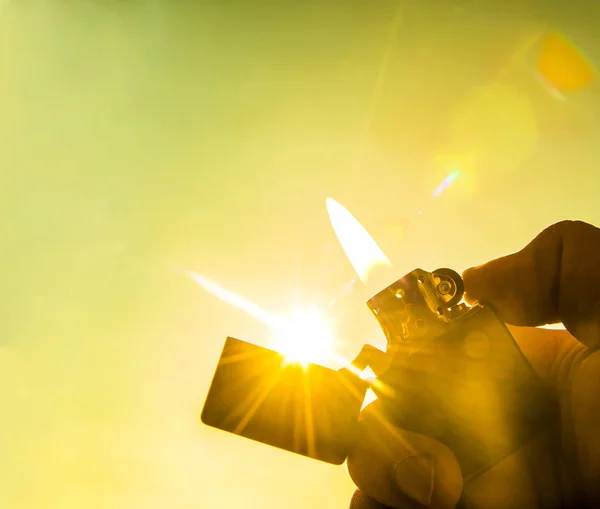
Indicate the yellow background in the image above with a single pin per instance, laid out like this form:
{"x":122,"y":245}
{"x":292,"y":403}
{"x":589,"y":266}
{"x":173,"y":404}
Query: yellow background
{"x":138,"y":136}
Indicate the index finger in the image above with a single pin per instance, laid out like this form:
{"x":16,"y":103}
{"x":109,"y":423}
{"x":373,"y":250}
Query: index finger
{"x":555,"y":278}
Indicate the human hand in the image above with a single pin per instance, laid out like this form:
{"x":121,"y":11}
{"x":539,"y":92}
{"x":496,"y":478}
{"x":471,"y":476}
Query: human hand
{"x":556,"y":278}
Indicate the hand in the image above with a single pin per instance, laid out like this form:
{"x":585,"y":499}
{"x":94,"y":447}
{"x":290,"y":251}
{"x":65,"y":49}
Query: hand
{"x":556,"y":278}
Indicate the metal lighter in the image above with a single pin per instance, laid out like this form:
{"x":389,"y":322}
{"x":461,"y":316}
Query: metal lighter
{"x":455,"y":373}
{"x":450,"y":371}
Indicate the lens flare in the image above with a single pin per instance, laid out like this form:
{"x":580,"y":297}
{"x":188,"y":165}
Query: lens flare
{"x":235,"y":300}
{"x":303,"y":337}
{"x":306,"y":335}
{"x":362,"y":251}
{"x":447,"y":181}
{"x":563,"y":66}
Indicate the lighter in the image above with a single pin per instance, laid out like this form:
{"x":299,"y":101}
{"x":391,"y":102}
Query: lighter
{"x":454,"y":372}
{"x":450,"y":371}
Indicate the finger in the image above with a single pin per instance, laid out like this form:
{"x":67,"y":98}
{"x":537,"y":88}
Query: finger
{"x":556,"y":278}
{"x":402,"y":469}
{"x":370,"y":356}
{"x":585,"y":414}
{"x":551,"y":353}
{"x":524,"y":479}
{"x":362,"y":501}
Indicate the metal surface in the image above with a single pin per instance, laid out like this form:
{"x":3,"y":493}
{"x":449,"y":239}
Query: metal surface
{"x":455,"y":373}
{"x":308,"y":410}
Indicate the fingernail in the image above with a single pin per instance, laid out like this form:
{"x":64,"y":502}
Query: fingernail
{"x":414,"y":476}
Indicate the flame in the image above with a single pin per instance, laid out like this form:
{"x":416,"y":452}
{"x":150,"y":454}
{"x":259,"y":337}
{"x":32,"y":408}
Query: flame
{"x":360,"y":248}
{"x":306,"y":335}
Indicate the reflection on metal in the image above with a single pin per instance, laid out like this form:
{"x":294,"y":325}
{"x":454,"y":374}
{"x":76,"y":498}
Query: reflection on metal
{"x":310,"y":411}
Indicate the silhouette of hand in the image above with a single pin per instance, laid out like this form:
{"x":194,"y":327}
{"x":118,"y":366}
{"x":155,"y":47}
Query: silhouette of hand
{"x":556,"y":278}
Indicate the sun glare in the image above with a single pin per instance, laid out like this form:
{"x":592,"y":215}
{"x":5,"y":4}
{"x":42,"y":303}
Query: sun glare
{"x":305,"y":336}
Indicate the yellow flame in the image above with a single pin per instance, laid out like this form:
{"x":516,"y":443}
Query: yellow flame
{"x":360,"y":248}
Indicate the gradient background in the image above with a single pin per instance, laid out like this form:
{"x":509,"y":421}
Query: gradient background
{"x":137,"y":135}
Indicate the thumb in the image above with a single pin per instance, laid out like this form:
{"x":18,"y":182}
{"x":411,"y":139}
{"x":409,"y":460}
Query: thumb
{"x":402,"y":469}
{"x":555,"y":278}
